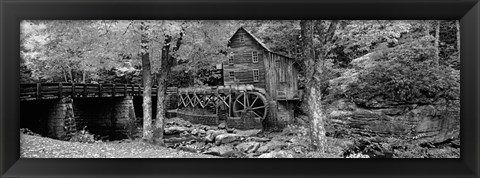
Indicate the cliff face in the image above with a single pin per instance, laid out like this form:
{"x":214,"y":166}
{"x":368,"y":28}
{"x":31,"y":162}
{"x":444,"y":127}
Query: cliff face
{"x":431,"y":122}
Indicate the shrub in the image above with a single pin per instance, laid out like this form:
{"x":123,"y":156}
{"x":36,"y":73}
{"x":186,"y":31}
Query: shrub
{"x":27,"y":131}
{"x":83,"y":136}
{"x":407,"y":76}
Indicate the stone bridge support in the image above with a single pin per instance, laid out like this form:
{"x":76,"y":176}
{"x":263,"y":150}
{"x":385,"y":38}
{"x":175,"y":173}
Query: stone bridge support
{"x":51,"y":118}
{"x":61,"y":118}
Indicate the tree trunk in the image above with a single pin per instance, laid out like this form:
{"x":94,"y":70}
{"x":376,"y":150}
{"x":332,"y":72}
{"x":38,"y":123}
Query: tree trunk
{"x":437,"y":44}
{"x":312,"y":61}
{"x":458,"y":37}
{"x":317,"y":117}
{"x":70,"y":74}
{"x":315,"y":114}
{"x":162,"y":76}
{"x":65,"y":75}
{"x":147,"y":84}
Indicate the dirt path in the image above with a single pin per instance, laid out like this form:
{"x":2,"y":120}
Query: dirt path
{"x":41,"y":147}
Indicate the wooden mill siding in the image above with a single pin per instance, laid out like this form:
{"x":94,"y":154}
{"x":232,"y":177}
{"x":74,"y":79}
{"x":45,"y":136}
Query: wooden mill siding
{"x":282,"y":76}
{"x":277,"y":73}
{"x":243,"y":65}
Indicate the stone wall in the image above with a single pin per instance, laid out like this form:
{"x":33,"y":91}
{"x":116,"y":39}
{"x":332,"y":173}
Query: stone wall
{"x":244,"y":122}
{"x":171,"y":101}
{"x":211,"y":120}
{"x":280,"y":114}
{"x":285,"y":113}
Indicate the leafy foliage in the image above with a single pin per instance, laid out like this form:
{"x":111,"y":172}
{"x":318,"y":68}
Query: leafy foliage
{"x":357,"y":38}
{"x":406,"y":75}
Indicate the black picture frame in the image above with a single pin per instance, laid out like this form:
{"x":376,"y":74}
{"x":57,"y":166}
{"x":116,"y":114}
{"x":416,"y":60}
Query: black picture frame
{"x":13,"y":11}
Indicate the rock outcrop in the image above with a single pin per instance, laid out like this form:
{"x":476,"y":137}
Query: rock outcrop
{"x":431,"y":122}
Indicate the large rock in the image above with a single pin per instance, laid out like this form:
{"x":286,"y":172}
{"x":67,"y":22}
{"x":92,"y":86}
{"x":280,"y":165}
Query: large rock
{"x":222,"y":125}
{"x":227,"y":138}
{"x":211,"y":134}
{"x":257,"y":139}
{"x":278,"y":154}
{"x":435,"y":121}
{"x":429,"y":123}
{"x":198,"y":132}
{"x":272,"y":145}
{"x":175,"y":130}
{"x":222,"y":150}
{"x":248,"y":147}
{"x":433,"y":124}
{"x":247,"y":133}
{"x":177,"y":121}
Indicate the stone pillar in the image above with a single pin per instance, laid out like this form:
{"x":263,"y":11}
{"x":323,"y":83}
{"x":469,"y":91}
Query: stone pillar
{"x":123,"y":123}
{"x":61,"y":121}
{"x":285,"y":114}
{"x":270,"y":122}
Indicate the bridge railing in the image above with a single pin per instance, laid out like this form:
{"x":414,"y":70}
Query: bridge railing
{"x":36,"y":91}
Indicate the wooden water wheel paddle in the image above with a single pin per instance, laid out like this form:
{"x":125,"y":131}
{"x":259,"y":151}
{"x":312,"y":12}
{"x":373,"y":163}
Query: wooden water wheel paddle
{"x":255,"y":102}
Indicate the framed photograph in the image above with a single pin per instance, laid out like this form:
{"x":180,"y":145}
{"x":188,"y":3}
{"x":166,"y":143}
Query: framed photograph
{"x":157,"y":88}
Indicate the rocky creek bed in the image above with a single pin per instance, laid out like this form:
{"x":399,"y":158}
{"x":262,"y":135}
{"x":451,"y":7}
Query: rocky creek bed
{"x":293,"y":142}
{"x":225,"y":142}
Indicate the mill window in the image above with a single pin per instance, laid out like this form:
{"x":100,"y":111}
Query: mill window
{"x":256,"y":75}
{"x":254,"y":56}
{"x":232,"y":75}
{"x":230,"y":60}
{"x":242,"y":38}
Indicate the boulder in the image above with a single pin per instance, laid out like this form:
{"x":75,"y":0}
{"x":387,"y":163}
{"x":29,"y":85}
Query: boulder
{"x":248,"y":147}
{"x":222,"y":125}
{"x":211,"y":134}
{"x":187,"y":149}
{"x":277,"y":154}
{"x":227,"y":138}
{"x":230,"y":130}
{"x":175,"y":130}
{"x":177,"y":121}
{"x":247,"y":133}
{"x":300,"y":141}
{"x":222,"y":150}
{"x":257,"y":139}
{"x":272,"y":145}
{"x":198,"y":132}
{"x":433,"y":124}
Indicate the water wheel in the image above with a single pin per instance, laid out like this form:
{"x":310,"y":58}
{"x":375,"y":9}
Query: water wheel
{"x":254,"y":101}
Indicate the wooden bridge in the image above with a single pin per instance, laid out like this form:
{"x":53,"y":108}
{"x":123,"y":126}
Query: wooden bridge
{"x":39,"y":91}
{"x":58,"y":110}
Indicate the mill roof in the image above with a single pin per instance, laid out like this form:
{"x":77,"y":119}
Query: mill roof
{"x":258,"y":41}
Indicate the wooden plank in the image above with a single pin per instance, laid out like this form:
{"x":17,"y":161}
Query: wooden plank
{"x":99,"y":90}
{"x":73,"y":90}
{"x":85,"y":90}
{"x":60,"y":90}
{"x":114,"y":91}
{"x":39,"y":91}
